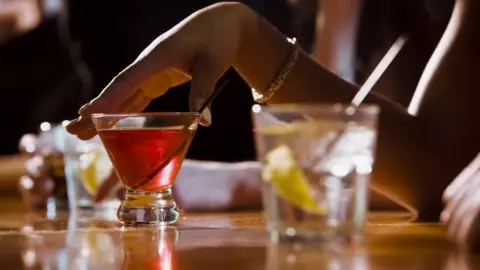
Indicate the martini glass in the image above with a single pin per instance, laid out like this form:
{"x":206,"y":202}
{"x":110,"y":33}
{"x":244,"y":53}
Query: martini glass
{"x":147,"y":151}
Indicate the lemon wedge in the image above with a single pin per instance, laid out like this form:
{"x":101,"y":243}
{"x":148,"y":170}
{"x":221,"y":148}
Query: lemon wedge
{"x":88,"y":171}
{"x":94,"y":167}
{"x":289,"y":180}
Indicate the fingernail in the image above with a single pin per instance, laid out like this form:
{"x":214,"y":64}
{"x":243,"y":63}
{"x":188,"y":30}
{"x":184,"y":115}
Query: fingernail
{"x":66,"y":123}
{"x":71,"y":124}
{"x":447,"y":194}
{"x":444,"y":216}
{"x":83,"y":108}
{"x":207,"y":116}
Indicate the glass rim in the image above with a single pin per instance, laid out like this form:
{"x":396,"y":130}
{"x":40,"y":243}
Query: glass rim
{"x":332,"y":107}
{"x":144,"y":114}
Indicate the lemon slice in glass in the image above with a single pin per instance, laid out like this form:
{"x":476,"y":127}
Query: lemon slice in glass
{"x":94,"y":167}
{"x":289,"y":180}
{"x":88,"y":171}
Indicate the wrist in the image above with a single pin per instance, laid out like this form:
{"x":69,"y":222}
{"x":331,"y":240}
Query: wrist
{"x":263,"y":52}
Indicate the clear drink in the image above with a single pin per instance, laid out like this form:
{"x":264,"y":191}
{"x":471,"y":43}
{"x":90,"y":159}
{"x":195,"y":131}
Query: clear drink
{"x":316,"y":169}
{"x":86,"y":167}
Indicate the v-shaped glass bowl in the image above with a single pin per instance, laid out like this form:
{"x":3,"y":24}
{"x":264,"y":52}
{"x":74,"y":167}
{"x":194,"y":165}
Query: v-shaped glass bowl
{"x":147,"y":151}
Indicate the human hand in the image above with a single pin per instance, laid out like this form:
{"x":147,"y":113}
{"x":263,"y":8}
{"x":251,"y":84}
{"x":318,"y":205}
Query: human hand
{"x":201,"y":47}
{"x":462,"y":212}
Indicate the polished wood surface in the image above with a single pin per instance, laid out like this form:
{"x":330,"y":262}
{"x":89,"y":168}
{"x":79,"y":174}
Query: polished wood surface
{"x":213,"y":241}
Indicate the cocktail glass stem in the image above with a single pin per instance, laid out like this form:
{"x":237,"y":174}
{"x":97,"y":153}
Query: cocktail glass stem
{"x":141,"y":207}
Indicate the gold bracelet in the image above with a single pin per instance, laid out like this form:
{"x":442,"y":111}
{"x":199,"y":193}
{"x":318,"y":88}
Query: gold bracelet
{"x":281,"y":75}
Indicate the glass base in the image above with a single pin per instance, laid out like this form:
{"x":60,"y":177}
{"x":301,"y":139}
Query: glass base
{"x":148,"y":208}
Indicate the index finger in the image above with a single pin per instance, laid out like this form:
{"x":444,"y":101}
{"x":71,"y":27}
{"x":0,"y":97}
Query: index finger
{"x":120,"y":96}
{"x":151,"y":62}
{"x":120,"y":88}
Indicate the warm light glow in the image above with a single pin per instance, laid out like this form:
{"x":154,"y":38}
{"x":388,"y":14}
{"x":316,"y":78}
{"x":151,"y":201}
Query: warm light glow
{"x":29,"y":257}
{"x":30,"y":148}
{"x":165,"y":251}
{"x":256,"y":108}
{"x":166,"y":263}
{"x":27,"y":228}
{"x":45,"y":126}
{"x":26,"y":182}
{"x":256,"y":95}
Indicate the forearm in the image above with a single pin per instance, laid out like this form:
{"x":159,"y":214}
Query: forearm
{"x":402,"y":156}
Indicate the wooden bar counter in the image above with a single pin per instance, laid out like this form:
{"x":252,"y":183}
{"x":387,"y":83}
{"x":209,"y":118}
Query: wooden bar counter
{"x":228,"y":241}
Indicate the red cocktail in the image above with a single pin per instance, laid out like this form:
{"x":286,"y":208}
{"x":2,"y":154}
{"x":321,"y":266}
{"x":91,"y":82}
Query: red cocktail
{"x":147,"y":150}
{"x":146,"y":159}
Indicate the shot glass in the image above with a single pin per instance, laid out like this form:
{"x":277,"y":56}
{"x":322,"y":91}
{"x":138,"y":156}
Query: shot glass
{"x":316,"y":166}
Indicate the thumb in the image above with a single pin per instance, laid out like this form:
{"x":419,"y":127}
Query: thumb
{"x":205,"y":75}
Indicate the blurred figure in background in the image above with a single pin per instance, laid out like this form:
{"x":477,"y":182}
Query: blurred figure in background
{"x":41,"y":77}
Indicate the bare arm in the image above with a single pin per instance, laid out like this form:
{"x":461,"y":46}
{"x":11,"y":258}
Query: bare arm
{"x":407,"y":166}
{"x":447,"y":96}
